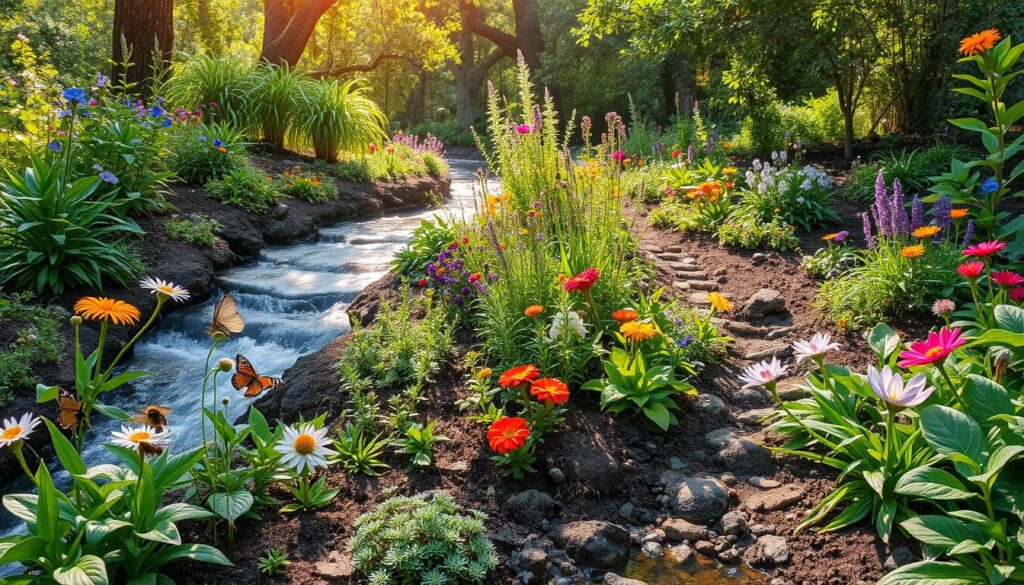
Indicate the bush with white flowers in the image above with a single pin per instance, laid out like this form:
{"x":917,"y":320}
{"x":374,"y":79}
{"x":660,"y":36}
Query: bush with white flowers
{"x":778,"y":191}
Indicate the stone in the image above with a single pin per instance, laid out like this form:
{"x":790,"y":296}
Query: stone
{"x":734,"y":523}
{"x":764,"y":302}
{"x":791,"y":389}
{"x":699,"y":298}
{"x":681,"y":554}
{"x":279,"y":212}
{"x":534,"y":560}
{"x":900,"y":556}
{"x":762,"y":529}
{"x":781,"y":351}
{"x":680,"y":530}
{"x":681,"y":285}
{"x":763,"y":482}
{"x":775,"y":499}
{"x":556,"y":475}
{"x":753,"y":417}
{"x":613,"y":579}
{"x":738,"y":453}
{"x":729,"y":557}
{"x":597,"y":544}
{"x":673,"y":249}
{"x":769,"y":550}
{"x":758,"y":258}
{"x":340,"y":569}
{"x":705,"y":547}
{"x":676,"y":464}
{"x":779,"y":333}
{"x":652,"y":550}
{"x":696,"y":499}
{"x":626,"y":511}
{"x":711,"y":404}
{"x":531,"y":506}
{"x":703,"y":285}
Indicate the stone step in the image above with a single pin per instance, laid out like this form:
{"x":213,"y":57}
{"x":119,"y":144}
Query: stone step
{"x":673,"y":249}
{"x":780,"y":351}
{"x":703,"y":285}
{"x":698,"y":298}
{"x":681,"y":285}
{"x":751,"y":417}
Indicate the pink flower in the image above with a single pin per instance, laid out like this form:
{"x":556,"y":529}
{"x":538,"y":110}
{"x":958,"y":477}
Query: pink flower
{"x":582,"y":281}
{"x":985,"y":248}
{"x":935,"y":349}
{"x":524,"y":129}
{"x":1017,"y":294}
{"x":971,"y":270}
{"x":619,"y":156}
{"x":1007,"y":278}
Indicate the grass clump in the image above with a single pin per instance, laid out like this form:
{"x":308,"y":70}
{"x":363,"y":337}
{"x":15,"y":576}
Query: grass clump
{"x":196,"y":229}
{"x":37,"y":342}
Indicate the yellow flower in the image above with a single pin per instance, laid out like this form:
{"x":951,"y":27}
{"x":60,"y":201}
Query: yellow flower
{"x":927,"y":232}
{"x":912,"y":251}
{"x":104,"y":309}
{"x":484,"y":373}
{"x":729,"y":171}
{"x":638,"y":330}
{"x":829,"y":237}
{"x":719,"y":302}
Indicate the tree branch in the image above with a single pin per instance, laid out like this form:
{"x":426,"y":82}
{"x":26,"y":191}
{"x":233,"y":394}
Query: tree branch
{"x":477,"y":25}
{"x":365,"y":67}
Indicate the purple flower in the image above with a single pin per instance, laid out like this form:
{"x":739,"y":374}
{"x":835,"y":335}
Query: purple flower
{"x":685,"y":341}
{"x":941,"y":211}
{"x":900,"y":221}
{"x":156,"y":111}
{"x":689,"y":154}
{"x":969,"y":233}
{"x":109,"y":177}
{"x":202,"y":138}
{"x":880,"y":209}
{"x":840,"y":236}
{"x":916,"y":213}
{"x":101,"y":80}
{"x":867,"y":231}
{"x":524,"y":129}
{"x":217,"y":143}
{"x":54,"y":146}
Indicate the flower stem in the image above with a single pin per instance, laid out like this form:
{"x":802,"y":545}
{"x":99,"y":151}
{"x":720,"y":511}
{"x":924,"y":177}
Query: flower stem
{"x":952,"y":387}
{"x":16,"y":447}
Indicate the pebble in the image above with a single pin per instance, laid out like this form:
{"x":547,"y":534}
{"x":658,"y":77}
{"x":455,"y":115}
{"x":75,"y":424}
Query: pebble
{"x":556,"y":475}
{"x":763,"y":482}
{"x":626,"y":511}
{"x":676,"y":464}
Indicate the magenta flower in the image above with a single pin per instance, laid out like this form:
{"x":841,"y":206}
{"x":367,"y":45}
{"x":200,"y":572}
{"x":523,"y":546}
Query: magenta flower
{"x":1007,"y":278}
{"x":936,"y":348}
{"x":985,"y":248}
{"x":524,"y":129}
{"x":619,"y":156}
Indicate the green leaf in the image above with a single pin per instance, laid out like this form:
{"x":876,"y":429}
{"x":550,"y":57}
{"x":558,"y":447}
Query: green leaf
{"x":973,"y":124}
{"x":1009,"y":317}
{"x":203,"y":553}
{"x":164,"y":531}
{"x":181,"y":511}
{"x":998,"y":337}
{"x":985,"y":399}
{"x":88,"y":570}
{"x":66,"y":452}
{"x":659,"y":415}
{"x":112,"y":412}
{"x":883,"y":341}
{"x":932,"y":484}
{"x":46,"y":393}
{"x":232,"y":505}
{"x":939,"y":531}
{"x":933,"y":573}
{"x":950,"y":431}
{"x":27,"y":549}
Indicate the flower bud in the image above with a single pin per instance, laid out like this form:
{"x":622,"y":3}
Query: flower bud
{"x":225,"y":364}
{"x":219,"y":337}
{"x":1001,"y":362}
{"x":75,"y":320}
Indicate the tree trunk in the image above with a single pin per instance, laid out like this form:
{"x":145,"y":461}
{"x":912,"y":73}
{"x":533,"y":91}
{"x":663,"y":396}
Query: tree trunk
{"x":528,"y":33}
{"x":848,"y":122}
{"x":143,"y":42}
{"x":287,"y":27}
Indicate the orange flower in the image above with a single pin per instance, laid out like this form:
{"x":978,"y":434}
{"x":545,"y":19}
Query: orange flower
{"x":625,"y":315}
{"x":958,"y":212}
{"x":550,"y":390}
{"x":979,"y":43}
{"x":507,"y":434}
{"x":912,"y":251}
{"x":534,"y":310}
{"x":518,"y":375}
{"x":484,"y":373}
{"x":637,"y":331}
{"x":927,"y":232}
{"x":104,"y":309}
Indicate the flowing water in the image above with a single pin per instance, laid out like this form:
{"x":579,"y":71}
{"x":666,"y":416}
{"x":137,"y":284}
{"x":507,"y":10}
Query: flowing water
{"x":702,"y":571}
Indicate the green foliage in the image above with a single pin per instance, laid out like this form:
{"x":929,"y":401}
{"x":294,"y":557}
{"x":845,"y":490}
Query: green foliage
{"x":800,"y":197}
{"x":222,"y":86}
{"x":751,"y":233}
{"x":274,"y":99}
{"x":358,"y":452}
{"x":419,"y":443}
{"x":196,"y":229}
{"x":830,"y":261}
{"x":333,"y":116}
{"x":244,"y":186}
{"x":274,"y":562}
{"x":447,"y":131}
{"x":913,"y":168}
{"x":408,"y":541}
{"x":310,"y":187}
{"x":427,"y":241}
{"x":202,"y":153}
{"x":630,"y":385}
{"x":60,"y":233}
{"x":38,"y":341}
{"x":27,"y":90}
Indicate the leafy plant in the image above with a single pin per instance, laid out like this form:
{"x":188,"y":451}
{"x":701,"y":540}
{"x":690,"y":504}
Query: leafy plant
{"x":358,"y":452}
{"x":313,"y":188}
{"x":334,"y":116}
{"x":274,"y":562}
{"x":629,"y":385}
{"x":38,"y":342}
{"x":427,"y":241}
{"x":196,"y":229}
{"x":221,"y":85}
{"x":801,"y":197}
{"x":202,"y":153}
{"x":274,"y":99}
{"x":419,"y":442}
{"x":246,"y":187}
{"x":423,"y":539}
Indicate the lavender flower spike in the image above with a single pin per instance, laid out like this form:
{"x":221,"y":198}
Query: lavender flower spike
{"x":867,"y":231}
{"x":916,"y":213}
{"x":881,"y":206}
{"x":901,"y":223}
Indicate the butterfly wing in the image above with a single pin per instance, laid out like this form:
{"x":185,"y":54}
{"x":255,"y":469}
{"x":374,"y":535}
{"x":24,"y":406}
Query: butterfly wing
{"x":260,"y":384}
{"x":226,"y":317}
{"x":69,"y":411}
{"x":244,"y":375}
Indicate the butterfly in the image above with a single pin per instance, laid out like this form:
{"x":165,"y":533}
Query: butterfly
{"x":226,"y":319}
{"x":154,"y":416}
{"x":246,"y":378}
{"x":69,"y":411}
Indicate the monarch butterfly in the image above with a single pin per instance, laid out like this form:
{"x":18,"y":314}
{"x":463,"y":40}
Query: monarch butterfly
{"x":226,"y":319}
{"x":154,"y":416}
{"x":69,"y":411}
{"x":246,"y":378}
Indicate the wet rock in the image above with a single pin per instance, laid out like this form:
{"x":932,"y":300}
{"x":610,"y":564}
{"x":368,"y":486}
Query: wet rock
{"x":534,"y":560}
{"x":764,"y":302}
{"x":303,"y":394}
{"x":695,"y":498}
{"x":775,"y":499}
{"x":651,"y":549}
{"x":676,"y":464}
{"x":681,"y":554}
{"x":769,"y":550}
{"x":613,"y":579}
{"x":705,"y":547}
{"x":279,"y":212}
{"x":734,"y":523}
{"x":729,"y":557}
{"x":626,"y":511}
{"x":531,"y":506}
{"x":594,"y":543}
{"x":738,"y":453}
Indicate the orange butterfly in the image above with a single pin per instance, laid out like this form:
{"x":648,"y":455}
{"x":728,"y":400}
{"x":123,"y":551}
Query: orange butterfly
{"x":69,"y":411}
{"x":154,"y":416}
{"x":246,"y":378}
{"x":226,"y":319}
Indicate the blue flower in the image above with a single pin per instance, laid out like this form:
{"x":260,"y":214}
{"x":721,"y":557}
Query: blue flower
{"x":102,"y":80}
{"x":989,"y":186}
{"x":685,"y":341}
{"x":166,"y":123}
{"x":202,"y":138}
{"x":75,"y":95}
{"x":54,"y":146}
{"x":97,"y":167}
{"x":109,"y":177}
{"x":217,"y":143}
{"x":156,"y":112}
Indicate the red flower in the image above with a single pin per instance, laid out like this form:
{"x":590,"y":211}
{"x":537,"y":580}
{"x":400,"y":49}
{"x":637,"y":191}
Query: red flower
{"x":971,"y":270}
{"x":465,"y":239}
{"x":1017,"y":294}
{"x":518,"y":375}
{"x":474,"y":277}
{"x":582,"y":281}
{"x":676,"y":153}
{"x":625,"y":315}
{"x":422,"y":282}
{"x":1007,"y":278}
{"x":985,"y":248}
{"x":550,"y":390}
{"x":935,"y":349}
{"x":507,"y":434}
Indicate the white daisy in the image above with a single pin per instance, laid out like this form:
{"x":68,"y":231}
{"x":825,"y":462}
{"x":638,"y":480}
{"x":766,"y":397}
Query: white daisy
{"x":17,"y":429}
{"x":304,"y":448}
{"x":764,"y":373}
{"x":164,"y":288}
{"x":142,"y":438}
{"x":816,"y":347}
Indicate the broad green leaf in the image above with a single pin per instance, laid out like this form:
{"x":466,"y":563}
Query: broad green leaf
{"x":933,"y":484}
{"x":88,"y":570}
{"x":970,"y":124}
{"x":659,"y":415}
{"x":883,"y":341}
{"x":998,"y":337}
{"x":985,"y":399}
{"x":933,"y":573}
{"x":950,"y":431}
{"x":46,"y":393}
{"x":939,"y":531}
{"x":181,"y":511}
{"x":232,"y":505}
{"x":1009,"y":317}
{"x":28,"y":549}
{"x":66,"y":452}
{"x":164,"y":531}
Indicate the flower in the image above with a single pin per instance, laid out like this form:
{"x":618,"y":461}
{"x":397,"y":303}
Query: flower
{"x":164,"y":289}
{"x":109,"y":177}
{"x":550,"y":390}
{"x":75,"y":95}
{"x":813,"y":349}
{"x":566,"y":321}
{"x":989,"y":186}
{"x":625,"y":315}
{"x":217,"y":143}
{"x":514,"y":377}
{"x":1007,"y":278}
{"x":729,"y":171}
{"x":840,"y":236}
{"x":524,"y":129}
{"x":422,"y":282}
{"x":1017,"y":294}
{"x":475,"y":277}
{"x":763,"y":374}
{"x":677,"y":153}
{"x":17,"y":429}
{"x":935,"y":349}
{"x":104,"y":309}
{"x":54,"y":146}
{"x":979,"y":43}
{"x":958,"y":212}
{"x":507,"y":434}
{"x":829,"y":237}
{"x":144,"y":439}
{"x":943,"y":307}
{"x":484,"y":373}
{"x":719,"y":302}
{"x":926,"y":232}
{"x":533,"y":310}
{"x":638,"y":330}
{"x":971,"y":270}
{"x":912,"y":251}
{"x":889,"y":385}
{"x":618,"y":156}
{"x":582,"y":281}
{"x":304,"y":448}
{"x":984,"y":248}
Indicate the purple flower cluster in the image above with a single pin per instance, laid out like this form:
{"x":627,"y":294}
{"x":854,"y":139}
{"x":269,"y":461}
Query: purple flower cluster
{"x":430,"y":143}
{"x":890,"y":212}
{"x":449,"y":274}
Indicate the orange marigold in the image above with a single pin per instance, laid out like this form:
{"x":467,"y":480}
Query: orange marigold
{"x":550,"y":390}
{"x":912,"y":251}
{"x":625,"y":315}
{"x":637,"y":331}
{"x":534,"y":310}
{"x":927,"y":232}
{"x":958,"y":212}
{"x":110,"y":310}
{"x":518,"y":375}
{"x":979,"y":43}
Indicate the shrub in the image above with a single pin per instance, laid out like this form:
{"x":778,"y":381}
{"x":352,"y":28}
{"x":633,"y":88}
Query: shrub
{"x":913,"y":168}
{"x":196,"y":229}
{"x":203,"y":153}
{"x":311,"y":187}
{"x":427,"y":241}
{"x":408,"y":541}
{"x":798,"y":197}
{"x":447,"y":131}
{"x":38,"y":342}
{"x":274,"y":99}
{"x":354,"y":170}
{"x":333,"y":116}
{"x":61,"y":234}
{"x":220,"y":84}
{"x":244,"y":186}
{"x":749,"y":232}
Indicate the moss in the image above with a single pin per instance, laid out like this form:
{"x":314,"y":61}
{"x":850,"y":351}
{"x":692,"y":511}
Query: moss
{"x":36,"y":341}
